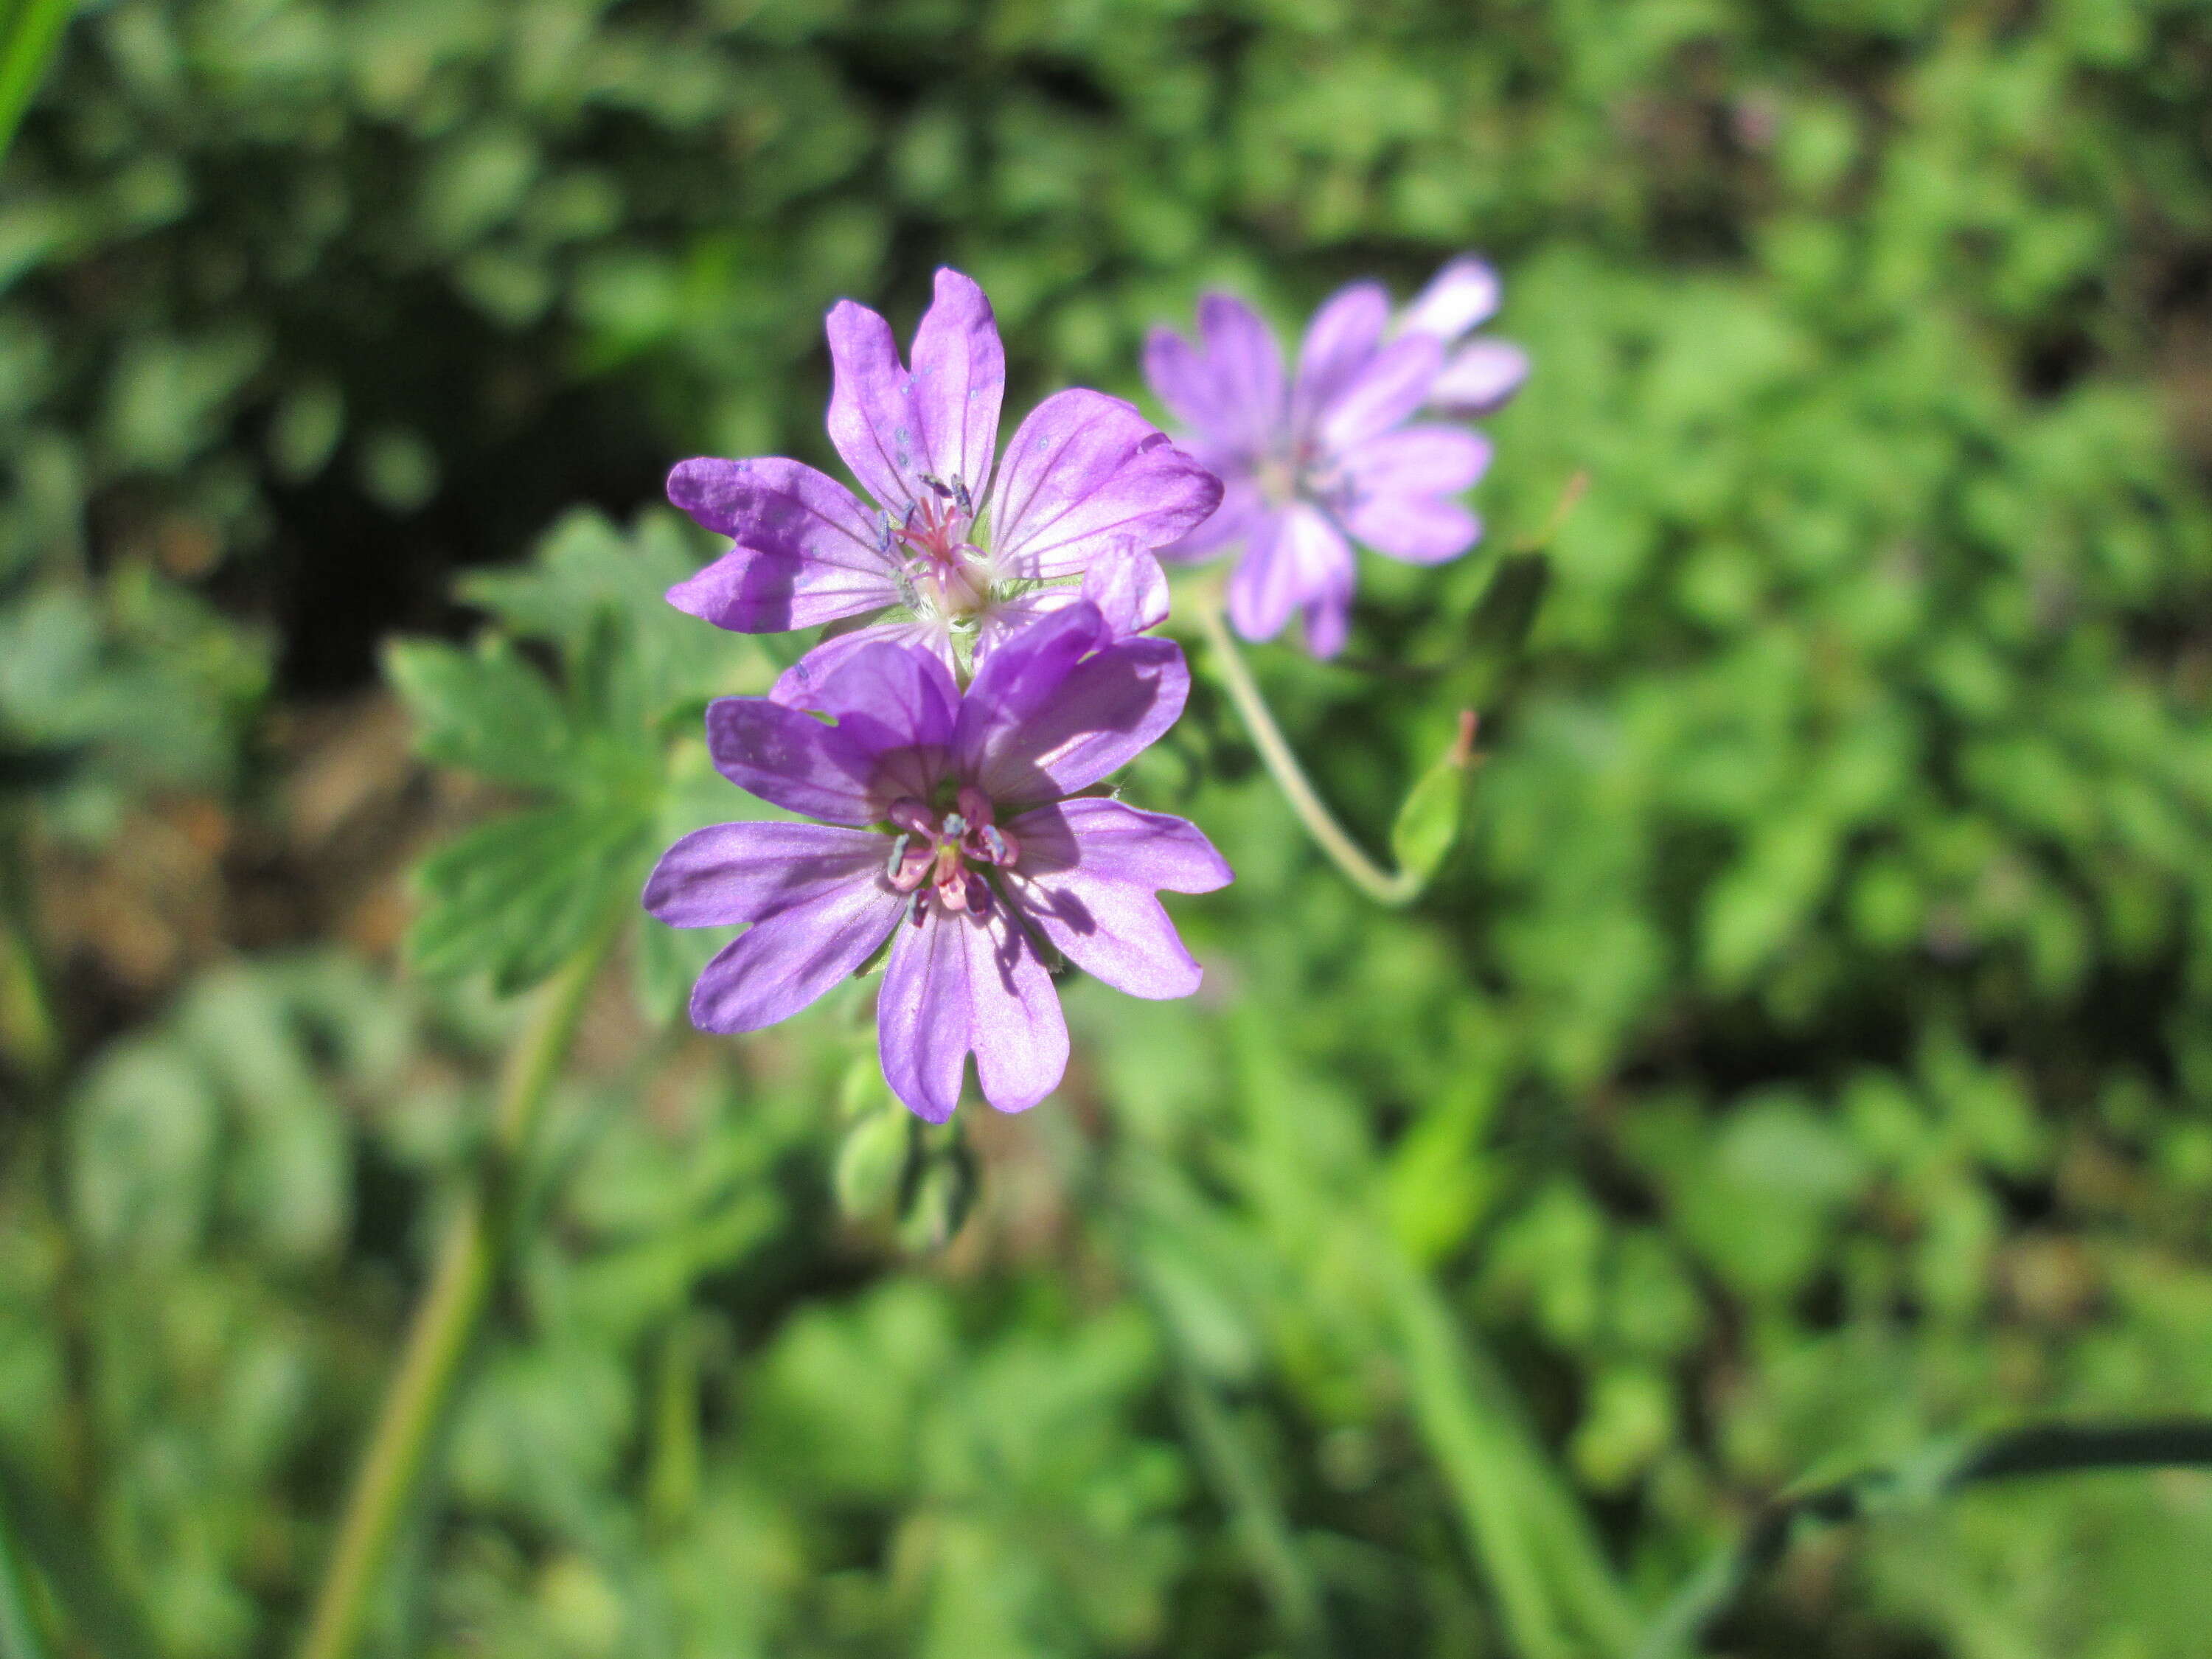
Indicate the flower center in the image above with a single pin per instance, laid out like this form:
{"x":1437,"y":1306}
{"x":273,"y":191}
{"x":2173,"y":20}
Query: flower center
{"x":932,"y":852}
{"x":943,"y":568}
{"x":1299,"y":472}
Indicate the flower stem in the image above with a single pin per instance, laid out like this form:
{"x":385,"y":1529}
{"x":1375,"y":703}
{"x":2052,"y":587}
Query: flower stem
{"x":469,"y":1262}
{"x":1393,"y":888}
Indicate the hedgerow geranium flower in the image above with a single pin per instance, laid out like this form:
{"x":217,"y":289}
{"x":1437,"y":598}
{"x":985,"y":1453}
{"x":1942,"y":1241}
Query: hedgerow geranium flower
{"x":954,"y":558}
{"x":953,"y":827}
{"x":1327,"y":458}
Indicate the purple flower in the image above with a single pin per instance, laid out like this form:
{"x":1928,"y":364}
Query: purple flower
{"x":954,"y":829}
{"x":1326,"y":457}
{"x":952,"y":558}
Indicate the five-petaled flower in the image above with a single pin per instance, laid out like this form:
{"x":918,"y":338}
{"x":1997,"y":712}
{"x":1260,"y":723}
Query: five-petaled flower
{"x":954,"y":827}
{"x":1327,"y":458}
{"x":955,"y":558}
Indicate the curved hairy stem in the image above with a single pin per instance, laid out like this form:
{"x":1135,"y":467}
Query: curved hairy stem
{"x":469,"y":1263}
{"x":1393,"y":888}
{"x":2052,"y":1449}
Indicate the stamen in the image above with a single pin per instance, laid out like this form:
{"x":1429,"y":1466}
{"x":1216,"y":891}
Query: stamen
{"x":900,"y":842}
{"x":954,"y":826}
{"x":1002,"y":850}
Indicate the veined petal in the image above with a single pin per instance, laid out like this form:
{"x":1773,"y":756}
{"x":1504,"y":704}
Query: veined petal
{"x":792,"y":760}
{"x":778,"y":966}
{"x":799,"y":685}
{"x":742,"y":873}
{"x":1055,"y":708}
{"x":959,"y":376}
{"x":1089,"y":870}
{"x":1461,"y":297}
{"x":1182,"y":378}
{"x":1417,"y":460}
{"x":1390,"y":387}
{"x":806,"y":551}
{"x":897,"y":706}
{"x":1083,"y":471}
{"x":1248,"y":363}
{"x":872,"y":419}
{"x":957,"y":985}
{"x":1342,"y":335}
{"x":1295,"y":558}
{"x":1480,"y":377}
{"x":1129,"y":588}
{"x":1126,"y":584}
{"x":1418,"y":529}
{"x":1112,"y":840}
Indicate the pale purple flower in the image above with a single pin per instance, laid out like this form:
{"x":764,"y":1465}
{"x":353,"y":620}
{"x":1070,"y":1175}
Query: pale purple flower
{"x":952,"y":557}
{"x":1317,"y":460}
{"x":1480,"y":376}
{"x":954,"y":828}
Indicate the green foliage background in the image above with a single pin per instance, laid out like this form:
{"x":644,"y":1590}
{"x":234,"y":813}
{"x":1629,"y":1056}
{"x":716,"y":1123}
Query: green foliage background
{"x":1807,"y":1055}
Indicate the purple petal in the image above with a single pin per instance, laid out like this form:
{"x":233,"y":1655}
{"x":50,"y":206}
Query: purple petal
{"x":1229,"y":384}
{"x":958,"y":985}
{"x":1248,"y":363}
{"x":959,"y":376}
{"x":1328,"y":621}
{"x":1462,"y":295}
{"x":1480,"y":377}
{"x":1417,"y":460}
{"x":896,"y":705}
{"x":1242,"y":507}
{"x":792,"y":760}
{"x":1129,"y":588}
{"x":1088,"y":870}
{"x":732,"y":872}
{"x":806,"y":549}
{"x":1125,"y":583}
{"x":1418,"y":529}
{"x":796,"y":687}
{"x":1007,"y":619}
{"x":1084,"y":473}
{"x":1295,"y":558}
{"x":777,"y":967}
{"x":1050,"y":712}
{"x":1342,"y":338}
{"x":1112,"y":840}
{"x":1390,"y":386}
{"x":872,"y":419}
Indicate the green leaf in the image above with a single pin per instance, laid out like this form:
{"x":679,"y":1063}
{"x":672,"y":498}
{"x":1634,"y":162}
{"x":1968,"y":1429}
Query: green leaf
{"x":1429,"y":820}
{"x":488,"y":710}
{"x":515,"y":898}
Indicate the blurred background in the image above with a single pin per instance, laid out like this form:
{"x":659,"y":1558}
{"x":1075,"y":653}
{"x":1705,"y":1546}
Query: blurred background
{"x":1805,"y":1058}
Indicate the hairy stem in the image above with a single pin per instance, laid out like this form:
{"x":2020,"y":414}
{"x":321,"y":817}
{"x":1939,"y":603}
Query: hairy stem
{"x":468,"y":1262}
{"x":1393,"y":888}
